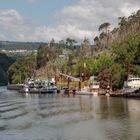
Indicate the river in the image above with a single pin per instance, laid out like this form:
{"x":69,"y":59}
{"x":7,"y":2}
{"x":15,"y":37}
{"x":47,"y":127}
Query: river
{"x":57,"y":117}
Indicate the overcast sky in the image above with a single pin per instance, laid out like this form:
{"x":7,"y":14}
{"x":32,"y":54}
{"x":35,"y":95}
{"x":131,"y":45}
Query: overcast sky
{"x":42,"y":20}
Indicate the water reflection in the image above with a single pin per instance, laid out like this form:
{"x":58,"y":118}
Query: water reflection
{"x":111,"y":108}
{"x":25,"y":116}
{"x":85,"y":103}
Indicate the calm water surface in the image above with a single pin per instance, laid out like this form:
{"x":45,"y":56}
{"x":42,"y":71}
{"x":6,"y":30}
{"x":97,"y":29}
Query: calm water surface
{"x":55,"y":117}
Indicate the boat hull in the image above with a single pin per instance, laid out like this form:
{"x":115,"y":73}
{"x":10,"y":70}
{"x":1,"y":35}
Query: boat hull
{"x":132,"y":92}
{"x":39,"y":91}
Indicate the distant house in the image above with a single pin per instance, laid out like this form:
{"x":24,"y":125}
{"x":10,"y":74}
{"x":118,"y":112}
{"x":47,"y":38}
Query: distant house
{"x":20,"y":51}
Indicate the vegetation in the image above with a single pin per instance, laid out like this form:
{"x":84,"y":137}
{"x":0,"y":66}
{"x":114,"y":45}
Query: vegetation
{"x":22,"y":69}
{"x":5,"y":62}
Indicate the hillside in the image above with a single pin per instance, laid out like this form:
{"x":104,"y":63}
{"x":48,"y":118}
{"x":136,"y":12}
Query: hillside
{"x":10,"y":45}
{"x":5,"y":62}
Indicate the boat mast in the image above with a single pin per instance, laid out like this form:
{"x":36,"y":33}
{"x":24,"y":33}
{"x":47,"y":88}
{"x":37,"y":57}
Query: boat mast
{"x":128,"y":70}
{"x":84,"y":71}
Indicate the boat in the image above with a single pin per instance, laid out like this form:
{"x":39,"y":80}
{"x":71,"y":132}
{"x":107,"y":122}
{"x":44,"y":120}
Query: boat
{"x":86,"y":91}
{"x":131,"y":88}
{"x":83,"y":92}
{"x":133,"y":82}
{"x":39,"y":87}
{"x":94,"y":87}
{"x":48,"y":87}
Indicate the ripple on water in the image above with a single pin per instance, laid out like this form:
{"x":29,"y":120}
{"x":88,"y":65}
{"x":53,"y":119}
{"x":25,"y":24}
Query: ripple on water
{"x":54,"y":117}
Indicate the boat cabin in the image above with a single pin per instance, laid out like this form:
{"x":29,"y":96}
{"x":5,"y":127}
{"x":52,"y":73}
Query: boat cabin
{"x":133,"y":82}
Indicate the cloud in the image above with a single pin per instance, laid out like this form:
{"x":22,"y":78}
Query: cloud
{"x":61,"y":32}
{"x":9,"y":17}
{"x":78,"y":21}
{"x":12,"y":25}
{"x":83,"y":19}
{"x":128,"y":9}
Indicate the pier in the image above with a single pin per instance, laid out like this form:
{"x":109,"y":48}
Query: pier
{"x":15,"y":87}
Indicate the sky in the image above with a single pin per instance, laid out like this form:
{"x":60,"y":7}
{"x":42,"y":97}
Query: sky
{"x":42,"y":20}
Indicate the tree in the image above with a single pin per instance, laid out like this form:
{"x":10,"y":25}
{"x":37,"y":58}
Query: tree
{"x":104,"y":77}
{"x":52,"y":43}
{"x":62,"y":44}
{"x":96,"y":40}
{"x":70,"y":42}
{"x":22,"y":69}
{"x":123,"y":23}
{"x":104,"y":26}
{"x":85,"y":49}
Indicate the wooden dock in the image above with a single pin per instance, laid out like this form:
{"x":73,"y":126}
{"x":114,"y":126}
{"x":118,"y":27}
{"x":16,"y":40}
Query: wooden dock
{"x":15,"y":87}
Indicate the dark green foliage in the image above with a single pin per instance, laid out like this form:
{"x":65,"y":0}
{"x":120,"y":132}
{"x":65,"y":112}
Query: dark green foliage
{"x":118,"y":75}
{"x":128,"y":50}
{"x":22,"y":69}
{"x":5,"y":62}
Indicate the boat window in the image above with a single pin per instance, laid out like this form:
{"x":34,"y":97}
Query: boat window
{"x":52,"y":84}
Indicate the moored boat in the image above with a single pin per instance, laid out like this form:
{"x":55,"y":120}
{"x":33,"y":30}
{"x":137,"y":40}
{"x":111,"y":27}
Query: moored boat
{"x":131,"y":88}
{"x":39,"y":87}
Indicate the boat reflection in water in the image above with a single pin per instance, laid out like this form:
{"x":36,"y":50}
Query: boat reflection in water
{"x":57,"y":116}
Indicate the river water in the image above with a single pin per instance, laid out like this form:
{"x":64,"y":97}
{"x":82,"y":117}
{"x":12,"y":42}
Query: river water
{"x":57,"y":117}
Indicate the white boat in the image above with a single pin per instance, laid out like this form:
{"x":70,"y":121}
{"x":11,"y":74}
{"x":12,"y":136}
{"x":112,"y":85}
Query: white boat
{"x":39,"y":86}
{"x":132,"y":87}
{"x":84,"y":92}
{"x":94,"y":88}
{"x":133,"y":82}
